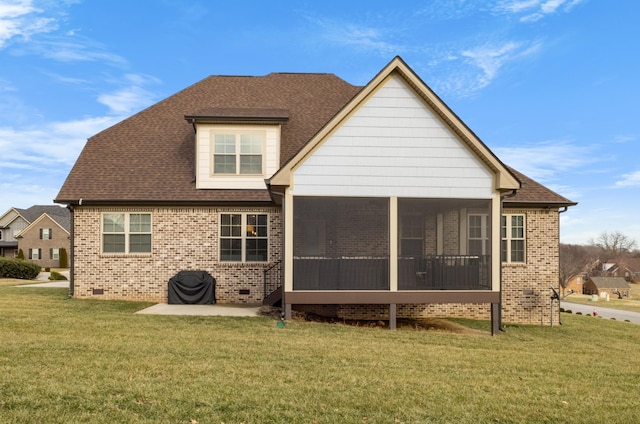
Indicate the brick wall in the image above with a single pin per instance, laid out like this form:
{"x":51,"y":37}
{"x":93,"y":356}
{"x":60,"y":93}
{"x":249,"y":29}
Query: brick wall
{"x":187,"y":239}
{"x":182,"y":239}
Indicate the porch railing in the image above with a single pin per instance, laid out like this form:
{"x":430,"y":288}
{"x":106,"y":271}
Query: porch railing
{"x":450,"y":272}
{"x":273,"y":278}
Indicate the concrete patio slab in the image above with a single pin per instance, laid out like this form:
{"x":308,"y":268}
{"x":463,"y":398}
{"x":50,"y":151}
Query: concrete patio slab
{"x":203,"y":310}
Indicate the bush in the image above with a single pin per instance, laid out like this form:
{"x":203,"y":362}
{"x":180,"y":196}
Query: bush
{"x":20,"y":254}
{"x":55,"y":275}
{"x":64,"y":258}
{"x":16,"y":268}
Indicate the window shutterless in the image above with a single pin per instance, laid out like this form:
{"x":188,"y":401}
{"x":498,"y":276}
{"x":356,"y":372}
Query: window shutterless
{"x":126,"y":232}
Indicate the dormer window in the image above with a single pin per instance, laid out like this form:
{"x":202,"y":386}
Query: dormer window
{"x":238,"y":154}
{"x":237,"y":148}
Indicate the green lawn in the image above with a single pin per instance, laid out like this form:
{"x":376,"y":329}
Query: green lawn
{"x":84,"y":361}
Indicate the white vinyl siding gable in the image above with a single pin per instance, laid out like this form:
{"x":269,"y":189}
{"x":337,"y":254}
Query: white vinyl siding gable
{"x":393,"y":145}
{"x":237,"y":176}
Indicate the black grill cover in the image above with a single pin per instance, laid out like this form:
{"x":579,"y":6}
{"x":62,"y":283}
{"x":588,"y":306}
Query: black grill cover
{"x":192,"y":288}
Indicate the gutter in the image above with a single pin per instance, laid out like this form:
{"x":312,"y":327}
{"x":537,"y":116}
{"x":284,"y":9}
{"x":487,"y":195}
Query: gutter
{"x":500,"y":326}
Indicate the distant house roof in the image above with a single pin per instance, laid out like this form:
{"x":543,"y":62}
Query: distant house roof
{"x":610,"y":282}
{"x":58,"y":213}
{"x":149,"y":158}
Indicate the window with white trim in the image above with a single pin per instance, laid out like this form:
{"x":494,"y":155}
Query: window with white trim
{"x":243,"y":237}
{"x":411,"y":235}
{"x":126,"y":232}
{"x":238,"y":154}
{"x":34,"y":254}
{"x":45,"y":233}
{"x":478,"y":235}
{"x":54,"y":253}
{"x":512,"y":233}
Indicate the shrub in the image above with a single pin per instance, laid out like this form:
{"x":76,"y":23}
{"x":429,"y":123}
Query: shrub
{"x":64,"y":258}
{"x":20,"y":254}
{"x":578,"y":313}
{"x":47,"y":269}
{"x":55,"y":275}
{"x":16,"y":268}
{"x":568,"y":311}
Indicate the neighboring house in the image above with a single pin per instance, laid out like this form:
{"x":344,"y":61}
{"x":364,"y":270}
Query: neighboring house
{"x":51,"y":224}
{"x":607,"y":286}
{"x":627,"y":268}
{"x":43,"y":240}
{"x":371,"y":202}
{"x":574,"y":285}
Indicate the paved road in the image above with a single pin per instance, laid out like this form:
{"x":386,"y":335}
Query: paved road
{"x":603,"y":311}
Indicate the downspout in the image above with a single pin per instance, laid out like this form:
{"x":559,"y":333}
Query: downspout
{"x":559,"y":298}
{"x":501,"y":327}
{"x":71,"y":251}
{"x":282,"y":243}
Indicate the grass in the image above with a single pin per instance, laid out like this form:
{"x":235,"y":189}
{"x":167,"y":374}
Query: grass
{"x":68,"y":361}
{"x":631,"y":303}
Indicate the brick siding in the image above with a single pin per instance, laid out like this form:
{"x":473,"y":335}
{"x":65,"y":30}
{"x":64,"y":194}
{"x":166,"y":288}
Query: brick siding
{"x":187,"y":239}
{"x":182,"y":239}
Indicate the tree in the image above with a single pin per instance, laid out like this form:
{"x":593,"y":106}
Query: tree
{"x":573,"y":259}
{"x":614,"y":245}
{"x":20,"y":254}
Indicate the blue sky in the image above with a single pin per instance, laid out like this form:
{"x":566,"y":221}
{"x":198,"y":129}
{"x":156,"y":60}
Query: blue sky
{"x":551,"y":86}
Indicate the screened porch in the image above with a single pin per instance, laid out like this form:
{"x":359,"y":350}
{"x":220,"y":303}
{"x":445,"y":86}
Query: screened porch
{"x":344,"y":243}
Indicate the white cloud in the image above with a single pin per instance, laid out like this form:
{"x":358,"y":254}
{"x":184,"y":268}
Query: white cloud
{"x":466,"y":72}
{"x":55,"y":144}
{"x":19,"y":18}
{"x":534,"y":10}
{"x":364,"y":37}
{"x":545,"y":161}
{"x":631,"y":179}
{"x":130,"y":98}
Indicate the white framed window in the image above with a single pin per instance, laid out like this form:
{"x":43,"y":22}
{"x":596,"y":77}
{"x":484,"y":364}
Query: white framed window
{"x":126,"y":232}
{"x":35,"y":254}
{"x":412,"y":235}
{"x":55,"y":253}
{"x":478,"y":235}
{"x":45,"y":233}
{"x":238,"y":153}
{"x":243,"y":237}
{"x":512,"y":233}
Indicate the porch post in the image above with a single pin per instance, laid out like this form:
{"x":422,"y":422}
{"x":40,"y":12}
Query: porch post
{"x":495,"y":318}
{"x":392,"y":316}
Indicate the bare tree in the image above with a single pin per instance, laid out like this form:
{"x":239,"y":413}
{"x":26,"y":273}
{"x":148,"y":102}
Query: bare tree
{"x":614,"y":245}
{"x":573,"y":260}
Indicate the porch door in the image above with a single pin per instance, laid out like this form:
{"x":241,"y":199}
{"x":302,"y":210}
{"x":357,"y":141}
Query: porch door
{"x":312,"y":242}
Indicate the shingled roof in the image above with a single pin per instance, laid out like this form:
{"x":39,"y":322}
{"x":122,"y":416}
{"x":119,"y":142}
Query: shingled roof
{"x":532,"y":193}
{"x":149,"y":158}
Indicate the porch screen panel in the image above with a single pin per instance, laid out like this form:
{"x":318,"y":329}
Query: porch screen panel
{"x":444,"y":244}
{"x":341,"y":243}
